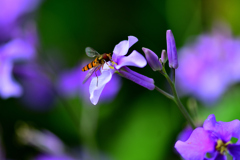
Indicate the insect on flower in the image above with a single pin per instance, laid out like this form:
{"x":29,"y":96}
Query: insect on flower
{"x":97,"y":63}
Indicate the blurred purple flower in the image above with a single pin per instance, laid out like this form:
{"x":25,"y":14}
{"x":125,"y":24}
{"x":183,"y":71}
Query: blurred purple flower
{"x":51,"y":147}
{"x":13,"y":51}
{"x":209,"y":66}
{"x":71,"y":84}
{"x":214,"y":138}
{"x":44,"y":140}
{"x":38,"y":89}
{"x":11,"y":11}
{"x":120,"y":61}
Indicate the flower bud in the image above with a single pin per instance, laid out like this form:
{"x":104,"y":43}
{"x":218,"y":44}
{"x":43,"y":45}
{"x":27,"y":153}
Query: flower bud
{"x":164,"y":57}
{"x":171,"y":50}
{"x":152,"y":59}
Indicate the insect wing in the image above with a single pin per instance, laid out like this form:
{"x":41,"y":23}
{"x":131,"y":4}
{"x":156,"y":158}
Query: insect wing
{"x":90,"y":72}
{"x":91,"y":52}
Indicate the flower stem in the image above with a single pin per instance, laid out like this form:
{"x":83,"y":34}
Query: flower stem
{"x":88,"y":128}
{"x":177,"y":100}
{"x":164,"y":93}
{"x":173,"y":73}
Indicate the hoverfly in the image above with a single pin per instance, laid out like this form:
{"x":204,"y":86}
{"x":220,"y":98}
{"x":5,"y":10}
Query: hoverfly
{"x":97,"y":63}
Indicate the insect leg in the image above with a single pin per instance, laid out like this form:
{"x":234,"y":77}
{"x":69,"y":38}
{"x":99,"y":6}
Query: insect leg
{"x":96,"y":73}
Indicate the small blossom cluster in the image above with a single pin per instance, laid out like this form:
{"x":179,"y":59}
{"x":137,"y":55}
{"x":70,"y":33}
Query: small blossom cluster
{"x":212,"y":141}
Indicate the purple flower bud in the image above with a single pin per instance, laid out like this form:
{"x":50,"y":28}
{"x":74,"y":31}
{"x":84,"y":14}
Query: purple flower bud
{"x":171,"y":50}
{"x":164,"y":57}
{"x":137,"y":78}
{"x":152,"y":59}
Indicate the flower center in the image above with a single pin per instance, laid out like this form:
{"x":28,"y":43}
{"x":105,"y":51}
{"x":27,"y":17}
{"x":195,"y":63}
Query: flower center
{"x":221,"y":146}
{"x":112,"y":64}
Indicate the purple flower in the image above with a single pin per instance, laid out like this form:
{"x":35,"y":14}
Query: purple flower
{"x":52,"y":147}
{"x":43,"y":140}
{"x":70,"y":84}
{"x":15,"y":50}
{"x":38,"y":89}
{"x":120,"y":61}
{"x":213,"y":138}
{"x":209,"y":65}
{"x":10,"y":13}
{"x":172,"y":50}
{"x":152,"y":59}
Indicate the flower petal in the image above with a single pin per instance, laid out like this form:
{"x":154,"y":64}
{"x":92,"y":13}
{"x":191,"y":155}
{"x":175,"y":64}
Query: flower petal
{"x":220,"y":157}
{"x":111,"y":89}
{"x":185,"y":134}
{"x":196,"y":147}
{"x":136,"y":74}
{"x":17,"y":49}
{"x":97,"y":84}
{"x":225,"y":130}
{"x":134,"y":59}
{"x":121,"y":48}
{"x":8,"y":86}
{"x":234,"y":150}
{"x":141,"y":81}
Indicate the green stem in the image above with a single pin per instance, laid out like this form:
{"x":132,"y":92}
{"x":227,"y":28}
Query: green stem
{"x":173,"y":73}
{"x":177,"y":100}
{"x":164,"y":93}
{"x":88,"y":127}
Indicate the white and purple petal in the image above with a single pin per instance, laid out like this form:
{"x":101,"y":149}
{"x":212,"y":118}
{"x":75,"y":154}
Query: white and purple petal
{"x":134,"y":59}
{"x":97,"y":85}
{"x":111,"y":89}
{"x":196,"y":147}
{"x":122,"y":48}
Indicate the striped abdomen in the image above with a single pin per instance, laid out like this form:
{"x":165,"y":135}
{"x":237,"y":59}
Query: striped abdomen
{"x":91,"y":65}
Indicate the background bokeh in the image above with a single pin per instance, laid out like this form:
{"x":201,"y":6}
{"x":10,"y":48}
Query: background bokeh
{"x":138,"y":124}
